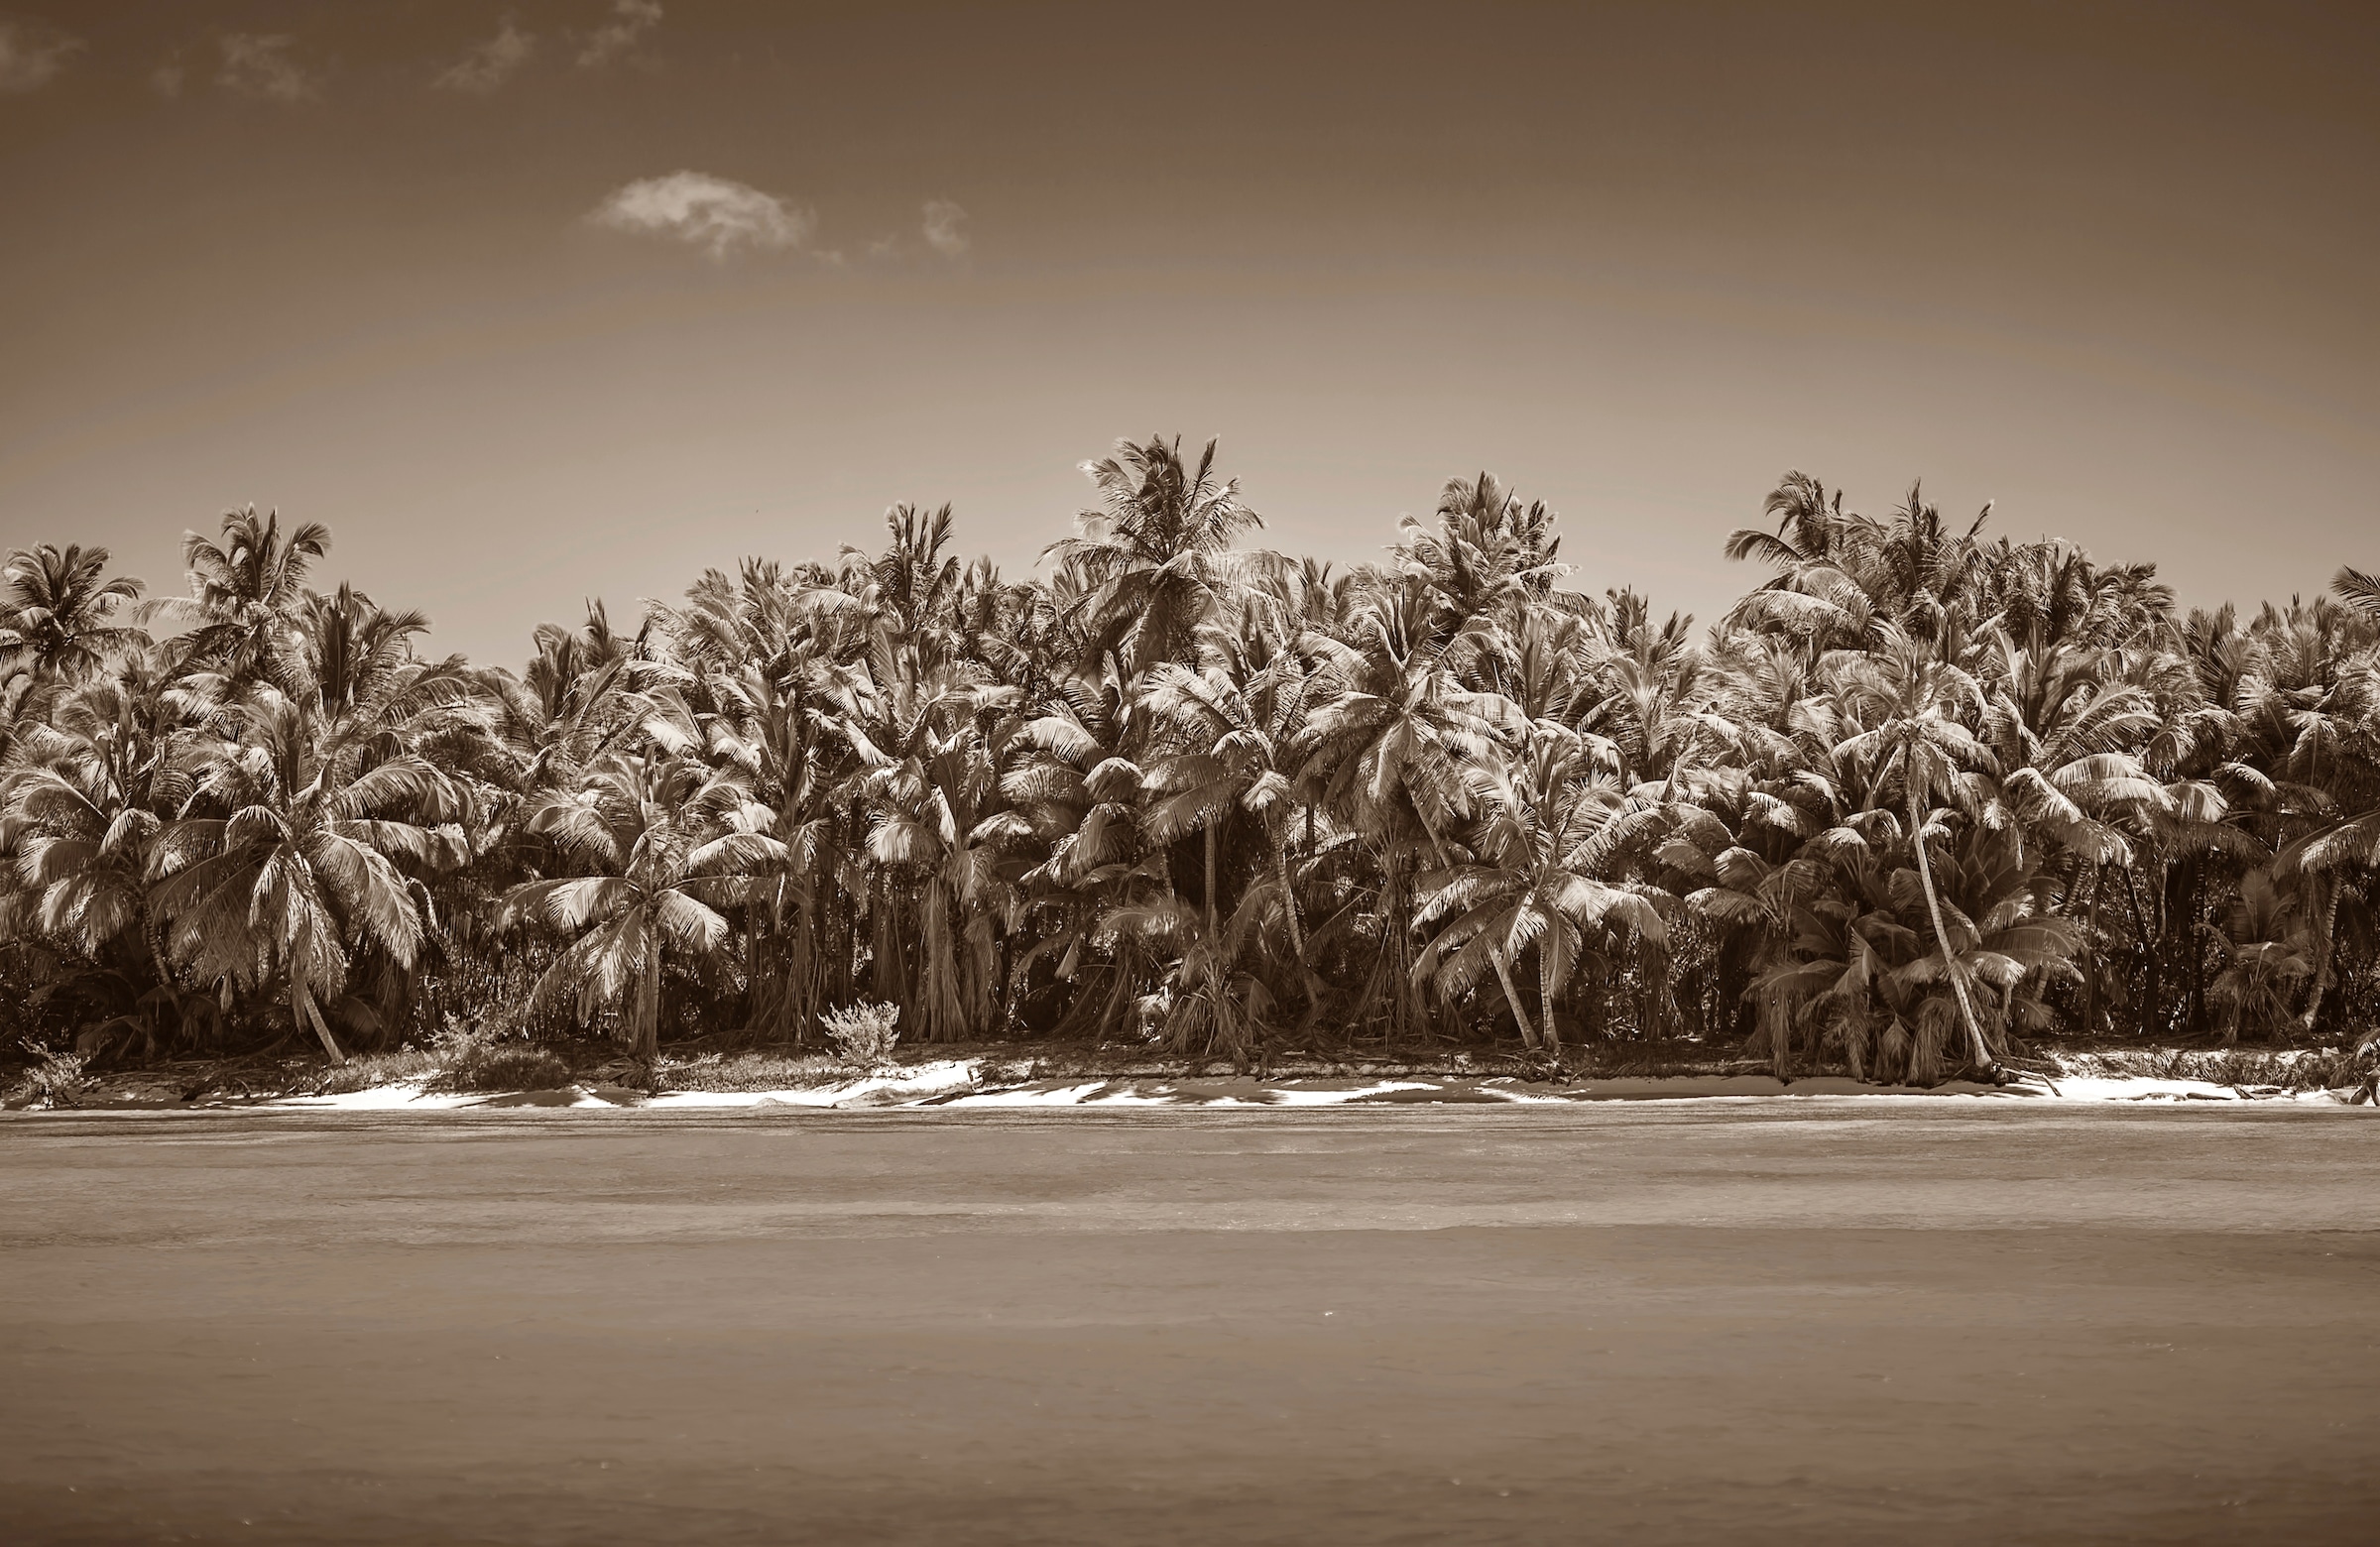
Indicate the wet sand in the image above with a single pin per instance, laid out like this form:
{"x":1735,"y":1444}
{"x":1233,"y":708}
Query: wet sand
{"x":1839,"y":1322}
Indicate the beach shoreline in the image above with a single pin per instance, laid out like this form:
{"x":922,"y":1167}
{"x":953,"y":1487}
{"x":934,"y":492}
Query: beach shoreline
{"x":989,"y":1082}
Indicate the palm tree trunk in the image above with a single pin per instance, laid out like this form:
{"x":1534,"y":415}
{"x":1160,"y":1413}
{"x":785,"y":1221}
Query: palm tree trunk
{"x":2193,"y":891}
{"x":1297,"y":933}
{"x":1520,"y":1011}
{"x":649,"y":1002}
{"x":2323,"y":948}
{"x":1214,"y":932}
{"x":1949,"y":963}
{"x":303,"y":1001}
{"x":1545,"y":1000}
{"x":2148,"y":951}
{"x":2090,"y":941}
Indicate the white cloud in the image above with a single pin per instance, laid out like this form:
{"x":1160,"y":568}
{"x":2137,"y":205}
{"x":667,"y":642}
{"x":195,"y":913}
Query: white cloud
{"x":630,"y":21}
{"x":945,"y":228}
{"x":31,"y":54}
{"x":261,"y":67}
{"x":165,"y":80}
{"x":705,"y":211}
{"x":491,"y":64}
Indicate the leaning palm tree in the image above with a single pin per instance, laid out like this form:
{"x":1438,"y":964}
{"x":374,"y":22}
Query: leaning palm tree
{"x":1918,"y":742}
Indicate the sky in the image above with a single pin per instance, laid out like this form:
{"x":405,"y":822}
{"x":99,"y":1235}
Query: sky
{"x":558,"y":299}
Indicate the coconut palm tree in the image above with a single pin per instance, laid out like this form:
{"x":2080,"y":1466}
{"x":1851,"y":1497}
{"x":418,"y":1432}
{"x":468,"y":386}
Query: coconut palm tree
{"x":656,"y":866}
{"x":1156,"y":553}
{"x":243,"y":616}
{"x":58,"y":614}
{"x":1528,"y":882}
{"x":1912,"y":699}
{"x":282,"y":863}
{"x":80,"y":803}
{"x":1385,"y":751}
{"x":1235,"y":729}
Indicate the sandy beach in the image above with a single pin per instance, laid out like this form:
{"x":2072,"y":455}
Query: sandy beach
{"x":1821,"y":1321}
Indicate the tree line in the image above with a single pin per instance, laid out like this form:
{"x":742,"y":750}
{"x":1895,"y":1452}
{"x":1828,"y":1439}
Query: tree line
{"x":1919,"y":798}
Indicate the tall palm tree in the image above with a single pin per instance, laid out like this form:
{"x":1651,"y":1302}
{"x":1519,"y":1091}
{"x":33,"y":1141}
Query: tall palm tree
{"x":1915,"y":741}
{"x":1155,"y":551}
{"x":243,"y":616}
{"x":1386,"y":750}
{"x":58,"y":614}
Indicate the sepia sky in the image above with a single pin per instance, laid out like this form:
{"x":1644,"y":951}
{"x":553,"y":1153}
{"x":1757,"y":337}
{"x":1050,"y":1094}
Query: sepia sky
{"x":540,"y":300}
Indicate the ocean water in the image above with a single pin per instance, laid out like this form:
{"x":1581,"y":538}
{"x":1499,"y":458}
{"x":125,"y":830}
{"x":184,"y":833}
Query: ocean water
{"x":1818,"y":1321}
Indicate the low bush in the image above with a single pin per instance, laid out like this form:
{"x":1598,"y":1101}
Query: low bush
{"x":863,"y":1036}
{"x":474,"y":1059}
{"x":753,"y":1071}
{"x":371,"y":1071}
{"x":53,"y":1079}
{"x":2289,"y":1069}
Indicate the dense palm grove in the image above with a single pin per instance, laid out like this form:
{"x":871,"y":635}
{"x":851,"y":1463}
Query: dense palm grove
{"x":1920,"y":798}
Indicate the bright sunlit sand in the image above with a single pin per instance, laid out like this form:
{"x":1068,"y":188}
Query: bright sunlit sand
{"x":963,"y":1083}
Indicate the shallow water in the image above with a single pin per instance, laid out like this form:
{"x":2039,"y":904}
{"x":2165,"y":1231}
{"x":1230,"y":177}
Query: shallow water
{"x":1830,"y":1321}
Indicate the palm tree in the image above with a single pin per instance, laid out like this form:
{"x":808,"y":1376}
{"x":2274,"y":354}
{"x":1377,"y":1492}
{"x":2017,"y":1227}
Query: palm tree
{"x":2359,"y":589}
{"x":282,"y":863}
{"x":1210,"y":998}
{"x":247,"y":599}
{"x":913,"y":586}
{"x":1386,"y":750}
{"x":1235,"y":732}
{"x":1491,"y":560}
{"x":1156,"y":553}
{"x":1527,"y":882}
{"x":57,"y":614}
{"x":932,"y":791}
{"x":2266,"y":939}
{"x":654,"y":865}
{"x":1918,"y":743}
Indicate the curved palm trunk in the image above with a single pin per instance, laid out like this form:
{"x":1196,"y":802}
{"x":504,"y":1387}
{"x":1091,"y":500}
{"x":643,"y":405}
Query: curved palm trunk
{"x":1297,"y":933}
{"x":2324,"y":947}
{"x":1545,"y":1000}
{"x":303,"y":1002}
{"x":1520,"y":1011}
{"x":1941,"y":935}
